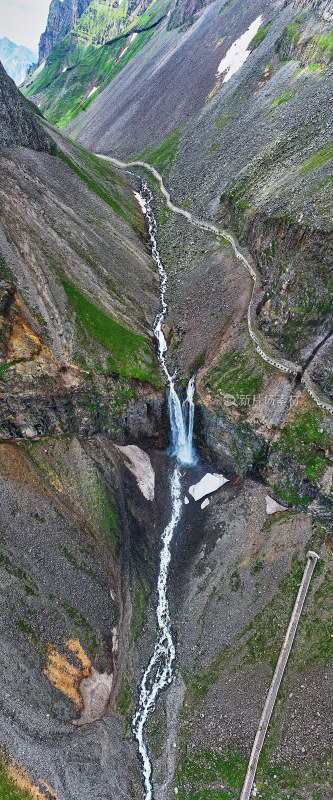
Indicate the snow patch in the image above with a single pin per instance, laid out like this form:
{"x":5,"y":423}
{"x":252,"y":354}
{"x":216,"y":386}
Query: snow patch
{"x":205,"y":503}
{"x":272,"y":507}
{"x":186,"y":501}
{"x":238,"y":52}
{"x":208,"y":484}
{"x":139,"y":464}
{"x":130,"y":40}
{"x":92,"y":91}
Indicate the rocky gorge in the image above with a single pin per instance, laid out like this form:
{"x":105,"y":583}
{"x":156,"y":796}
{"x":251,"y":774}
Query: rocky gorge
{"x":84,"y":432}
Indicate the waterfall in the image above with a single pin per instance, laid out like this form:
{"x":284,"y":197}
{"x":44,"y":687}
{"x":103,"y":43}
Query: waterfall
{"x":181,"y":414}
{"x":160,"y":668}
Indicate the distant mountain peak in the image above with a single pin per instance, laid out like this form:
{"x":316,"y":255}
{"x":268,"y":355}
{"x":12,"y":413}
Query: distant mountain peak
{"x":16,"y":59}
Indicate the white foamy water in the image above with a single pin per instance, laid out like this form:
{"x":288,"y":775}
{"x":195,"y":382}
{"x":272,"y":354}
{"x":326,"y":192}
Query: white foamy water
{"x":181,"y":414}
{"x":238,"y":52}
{"x":160,"y":668}
{"x":159,"y":672}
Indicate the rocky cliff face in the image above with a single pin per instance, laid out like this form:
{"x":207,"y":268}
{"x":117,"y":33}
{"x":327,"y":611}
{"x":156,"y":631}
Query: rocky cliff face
{"x":78,"y":295}
{"x":18,"y":119}
{"x":105,"y":38}
{"x":321,"y":7}
{"x":70,"y":315}
{"x":62,"y":16}
{"x":69,"y":630}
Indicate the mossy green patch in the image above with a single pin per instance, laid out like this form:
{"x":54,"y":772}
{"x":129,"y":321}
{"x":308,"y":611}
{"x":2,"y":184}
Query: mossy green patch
{"x":285,"y":97}
{"x":87,"y":633}
{"x":256,"y":567}
{"x":261,"y":33}
{"x":103,"y":512}
{"x":8,"y":789}
{"x":292,"y":31}
{"x":18,"y":572}
{"x":157,"y":732}
{"x":163,"y":157}
{"x":100,"y":179}
{"x":5,"y":272}
{"x":317,"y":160}
{"x":236,"y":375}
{"x":131,"y":353}
{"x":28,"y":631}
{"x":278,"y":781}
{"x":210,"y":775}
{"x":306,"y":440}
{"x":125,"y":700}
{"x":73,"y":560}
{"x":325,"y":46}
{"x":315,"y":630}
{"x":289,"y":491}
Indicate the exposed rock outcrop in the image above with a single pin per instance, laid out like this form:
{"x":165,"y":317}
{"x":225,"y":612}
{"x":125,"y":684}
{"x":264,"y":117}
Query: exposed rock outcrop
{"x":18,"y":119}
{"x":62,"y":16}
{"x":321,"y":7}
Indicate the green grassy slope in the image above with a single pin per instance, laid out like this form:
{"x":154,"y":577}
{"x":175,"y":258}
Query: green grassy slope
{"x":90,"y":57}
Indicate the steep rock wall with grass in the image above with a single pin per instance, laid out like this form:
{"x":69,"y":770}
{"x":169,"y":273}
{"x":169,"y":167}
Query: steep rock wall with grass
{"x":79,"y":295}
{"x":61,"y":18}
{"x":79,"y":66}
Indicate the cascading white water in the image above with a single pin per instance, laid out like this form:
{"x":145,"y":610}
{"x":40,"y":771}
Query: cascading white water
{"x":160,"y":668}
{"x":181,"y":415}
{"x":159,"y":671}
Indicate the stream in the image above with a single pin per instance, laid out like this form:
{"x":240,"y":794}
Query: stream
{"x":159,"y":671}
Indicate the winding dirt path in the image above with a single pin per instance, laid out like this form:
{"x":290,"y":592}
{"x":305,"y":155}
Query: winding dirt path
{"x":283,"y":365}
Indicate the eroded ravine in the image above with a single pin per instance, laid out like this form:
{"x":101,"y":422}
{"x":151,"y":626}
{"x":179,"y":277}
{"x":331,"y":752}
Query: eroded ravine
{"x":159,"y":671}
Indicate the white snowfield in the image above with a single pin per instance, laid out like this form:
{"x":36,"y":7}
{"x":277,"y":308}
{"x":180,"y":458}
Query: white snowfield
{"x":92,"y":91}
{"x":238,"y":52}
{"x":208,"y":484}
{"x":139,"y":464}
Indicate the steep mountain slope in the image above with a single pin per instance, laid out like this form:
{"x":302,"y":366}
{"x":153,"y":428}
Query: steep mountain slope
{"x":16,"y":59}
{"x":78,"y":294}
{"x":253,"y":153}
{"x":18,"y":121}
{"x":101,"y":42}
{"x":72,"y":248}
{"x":62,"y":16}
